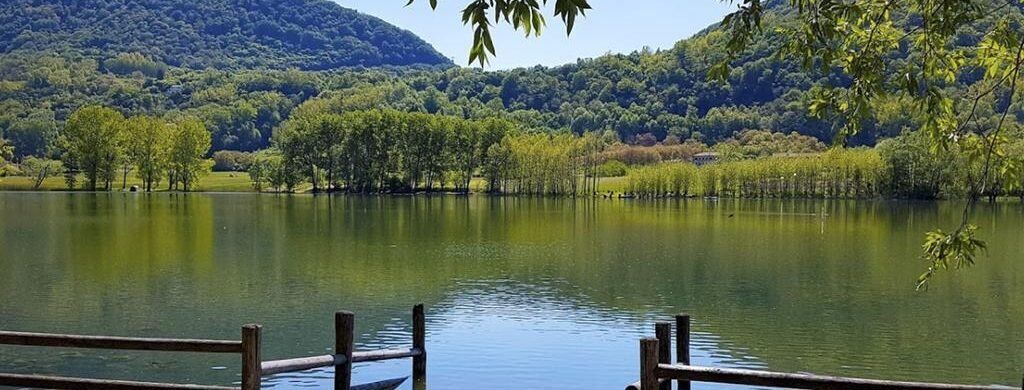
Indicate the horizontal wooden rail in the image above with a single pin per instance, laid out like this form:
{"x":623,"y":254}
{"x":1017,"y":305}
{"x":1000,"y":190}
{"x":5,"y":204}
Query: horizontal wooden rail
{"x":128,"y":343}
{"x":795,"y":381}
{"x":385,"y":354}
{"x":56,"y":382}
{"x":300,"y":364}
{"x":248,"y":348}
{"x":306,"y":363}
{"x":657,"y":372}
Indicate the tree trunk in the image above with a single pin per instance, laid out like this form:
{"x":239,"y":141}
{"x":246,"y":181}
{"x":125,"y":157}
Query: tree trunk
{"x":312,"y":176}
{"x":330,"y":177}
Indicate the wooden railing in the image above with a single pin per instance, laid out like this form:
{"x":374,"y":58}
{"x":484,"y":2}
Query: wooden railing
{"x":253,"y":368}
{"x":248,"y":348}
{"x":344,"y":355}
{"x":658,"y":372}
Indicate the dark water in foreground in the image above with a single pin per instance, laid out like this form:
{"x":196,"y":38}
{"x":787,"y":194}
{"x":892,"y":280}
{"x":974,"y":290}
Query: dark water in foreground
{"x":520,"y":293}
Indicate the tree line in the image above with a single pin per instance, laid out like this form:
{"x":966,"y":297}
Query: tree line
{"x":839,"y":173}
{"x":384,"y":150}
{"x":392,"y":151}
{"x":331,"y":149}
{"x":901,"y":167}
{"x":98,"y":145}
{"x":371,"y":151}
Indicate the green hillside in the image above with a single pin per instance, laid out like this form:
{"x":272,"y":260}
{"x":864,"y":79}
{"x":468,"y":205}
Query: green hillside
{"x":640,"y":96}
{"x":222,"y":34}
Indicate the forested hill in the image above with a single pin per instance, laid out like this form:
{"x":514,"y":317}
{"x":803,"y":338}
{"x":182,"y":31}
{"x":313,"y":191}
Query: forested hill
{"x":644,"y":97}
{"x":667,"y":92}
{"x":663,"y":93}
{"x":222,"y":34}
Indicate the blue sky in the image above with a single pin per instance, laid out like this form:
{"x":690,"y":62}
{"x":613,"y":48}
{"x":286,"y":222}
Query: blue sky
{"x":653,"y":23}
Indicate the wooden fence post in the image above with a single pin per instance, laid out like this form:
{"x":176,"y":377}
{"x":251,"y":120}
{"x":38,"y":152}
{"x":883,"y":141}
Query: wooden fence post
{"x":251,"y":358}
{"x":663,"y":331}
{"x":683,"y":345}
{"x":648,"y":363}
{"x":344,"y":339}
{"x":419,"y":341}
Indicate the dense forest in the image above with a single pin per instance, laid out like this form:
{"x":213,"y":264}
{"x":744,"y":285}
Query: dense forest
{"x":660,"y":93}
{"x":548,"y":128}
{"x":199,"y":34}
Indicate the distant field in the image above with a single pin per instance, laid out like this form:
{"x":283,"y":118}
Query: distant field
{"x":233,"y":182}
{"x":225,"y":182}
{"x":213,"y":182}
{"x":20,"y":183}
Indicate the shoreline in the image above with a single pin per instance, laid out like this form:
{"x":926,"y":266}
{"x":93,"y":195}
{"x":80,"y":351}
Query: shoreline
{"x":239,"y":183}
{"x":428,"y":194}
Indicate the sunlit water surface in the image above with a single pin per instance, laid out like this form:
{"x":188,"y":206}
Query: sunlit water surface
{"x":520,"y":293}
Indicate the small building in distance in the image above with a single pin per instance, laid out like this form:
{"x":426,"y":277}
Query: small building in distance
{"x":702,"y":159}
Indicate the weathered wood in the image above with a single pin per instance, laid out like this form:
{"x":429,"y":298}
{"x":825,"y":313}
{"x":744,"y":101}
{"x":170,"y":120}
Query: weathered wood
{"x":648,"y":363}
{"x":274,"y":367}
{"x":344,"y":340}
{"x":56,"y":382}
{"x":127,"y":343}
{"x":249,"y":348}
{"x":663,"y":332}
{"x":251,"y":376}
{"x":683,"y":345}
{"x":389,"y":384}
{"x":795,"y":381}
{"x":419,"y":342}
{"x":386,"y":354}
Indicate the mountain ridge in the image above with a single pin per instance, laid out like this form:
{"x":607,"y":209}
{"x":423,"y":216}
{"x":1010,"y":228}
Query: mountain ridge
{"x":221,"y":34}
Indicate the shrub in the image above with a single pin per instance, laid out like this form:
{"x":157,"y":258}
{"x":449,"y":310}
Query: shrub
{"x":128,"y":63}
{"x":232,"y":161}
{"x":612,"y":168}
{"x":632,"y":155}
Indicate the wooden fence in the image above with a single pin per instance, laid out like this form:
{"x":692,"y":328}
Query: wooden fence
{"x":658,"y":372}
{"x":248,"y":348}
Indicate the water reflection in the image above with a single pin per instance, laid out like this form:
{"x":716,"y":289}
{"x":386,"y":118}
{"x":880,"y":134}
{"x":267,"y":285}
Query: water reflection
{"x":490,"y":331}
{"x":522,"y":293}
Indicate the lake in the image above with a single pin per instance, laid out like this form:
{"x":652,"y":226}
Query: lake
{"x":520,"y":292}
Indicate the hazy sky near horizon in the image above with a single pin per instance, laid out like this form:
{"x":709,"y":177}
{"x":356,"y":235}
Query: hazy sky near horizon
{"x":652,"y":23}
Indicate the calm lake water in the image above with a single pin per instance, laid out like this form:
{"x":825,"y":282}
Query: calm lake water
{"x":520,"y":293}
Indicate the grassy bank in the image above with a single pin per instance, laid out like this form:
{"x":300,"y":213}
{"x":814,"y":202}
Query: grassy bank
{"x":234,"y":182}
{"x":214,"y":182}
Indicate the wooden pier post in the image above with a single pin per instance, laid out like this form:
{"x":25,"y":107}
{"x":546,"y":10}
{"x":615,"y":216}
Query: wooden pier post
{"x":251,"y":358}
{"x":419,"y":342}
{"x":648,"y":363}
{"x":663,"y":332}
{"x":683,"y":345}
{"x":344,"y":339}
